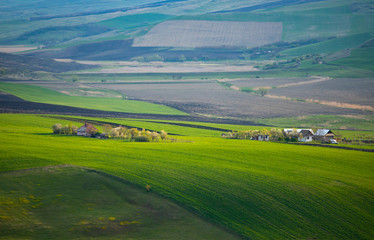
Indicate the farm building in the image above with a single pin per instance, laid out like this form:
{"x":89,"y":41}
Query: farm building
{"x":86,"y":130}
{"x":305,"y":135}
{"x":261,"y":138}
{"x":324,"y":135}
{"x":302,"y":135}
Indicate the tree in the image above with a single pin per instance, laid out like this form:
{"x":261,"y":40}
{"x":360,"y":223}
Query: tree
{"x":134,"y":132}
{"x":114,"y":133}
{"x":182,"y":58}
{"x":75,"y":78}
{"x":163,"y":135}
{"x":155,"y":136}
{"x":107,"y":129}
{"x":262,"y":91}
{"x":57,"y":128}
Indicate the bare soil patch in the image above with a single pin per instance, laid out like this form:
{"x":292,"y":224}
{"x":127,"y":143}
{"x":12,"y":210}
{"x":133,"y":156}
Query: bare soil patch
{"x":210,"y":98}
{"x":336,"y":92}
{"x":15,"y":48}
{"x":195,"y":34}
{"x":167,"y":67}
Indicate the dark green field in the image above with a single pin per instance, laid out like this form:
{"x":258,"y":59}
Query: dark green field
{"x":61,"y":202}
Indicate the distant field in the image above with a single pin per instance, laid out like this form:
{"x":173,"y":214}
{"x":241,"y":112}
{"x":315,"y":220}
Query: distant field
{"x":330,"y":46}
{"x":210,"y":98}
{"x":304,"y":21}
{"x":134,"y":21}
{"x":195,"y":34}
{"x":359,"y":122}
{"x":39,"y":94}
{"x":362,"y":58}
{"x":15,"y":48}
{"x":252,"y":187}
{"x":352,"y":91}
{"x":169,"y":67}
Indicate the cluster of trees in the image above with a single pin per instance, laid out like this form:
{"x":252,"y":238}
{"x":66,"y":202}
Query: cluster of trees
{"x":69,"y":129}
{"x":149,"y":58}
{"x":294,"y":62}
{"x":261,"y":91}
{"x":272,"y":51}
{"x":275,"y":134}
{"x":133,"y":134}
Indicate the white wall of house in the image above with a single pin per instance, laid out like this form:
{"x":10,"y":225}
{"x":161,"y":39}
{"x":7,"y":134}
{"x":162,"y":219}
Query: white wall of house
{"x":306,"y":139}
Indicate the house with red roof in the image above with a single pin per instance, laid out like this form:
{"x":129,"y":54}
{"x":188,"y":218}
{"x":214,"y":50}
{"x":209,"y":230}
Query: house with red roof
{"x":86,"y":130}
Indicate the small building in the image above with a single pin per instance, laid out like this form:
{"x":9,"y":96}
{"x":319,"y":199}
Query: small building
{"x":324,"y":135}
{"x":305,"y":135}
{"x":261,"y":137}
{"x":86,"y":130}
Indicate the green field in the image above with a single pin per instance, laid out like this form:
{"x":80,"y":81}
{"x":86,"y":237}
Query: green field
{"x":129,"y":22}
{"x":330,"y":46}
{"x":305,"y":21}
{"x":360,"y":58}
{"x":43,"y":95}
{"x":261,"y":190}
{"x":63,"y":202}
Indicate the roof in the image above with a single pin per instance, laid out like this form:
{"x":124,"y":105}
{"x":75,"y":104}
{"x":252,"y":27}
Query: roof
{"x":87,"y":127}
{"x":306,"y":132}
{"x":290,"y":130}
{"x":323,"y":132}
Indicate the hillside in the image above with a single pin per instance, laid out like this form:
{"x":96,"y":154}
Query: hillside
{"x":64,"y":201}
{"x":17,"y":63}
{"x":261,"y":190}
{"x":189,"y":99}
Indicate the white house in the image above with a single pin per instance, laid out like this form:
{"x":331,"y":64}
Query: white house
{"x":305,"y":135}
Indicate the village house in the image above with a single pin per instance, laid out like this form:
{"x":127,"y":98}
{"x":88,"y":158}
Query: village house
{"x":305,"y":135}
{"x":261,"y":137}
{"x":324,"y":135}
{"x":302,"y":135}
{"x":86,"y":130}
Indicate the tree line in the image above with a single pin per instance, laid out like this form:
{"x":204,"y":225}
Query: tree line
{"x":118,"y":133}
{"x":134,"y":134}
{"x":275,"y":134}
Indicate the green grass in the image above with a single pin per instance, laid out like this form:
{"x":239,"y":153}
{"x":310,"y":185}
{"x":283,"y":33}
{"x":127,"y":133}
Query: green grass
{"x":304,"y":21}
{"x":261,"y":190}
{"x":134,"y":21}
{"x":65,"y":202}
{"x":362,"y":58}
{"x":330,"y":46}
{"x":43,"y":95}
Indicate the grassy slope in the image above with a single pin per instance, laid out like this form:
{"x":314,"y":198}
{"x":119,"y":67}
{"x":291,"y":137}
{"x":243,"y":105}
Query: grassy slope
{"x":129,"y":22}
{"x":312,"y":20}
{"x":43,"y":95}
{"x":330,"y":46}
{"x":360,"y":58}
{"x":262,"y":190}
{"x":67,"y":202}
